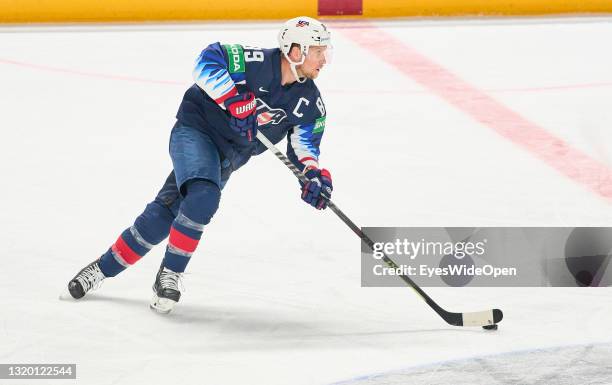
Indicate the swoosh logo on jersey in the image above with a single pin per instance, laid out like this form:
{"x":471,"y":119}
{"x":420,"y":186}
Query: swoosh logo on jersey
{"x":262,"y":90}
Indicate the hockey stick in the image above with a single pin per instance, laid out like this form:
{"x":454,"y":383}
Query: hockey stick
{"x":485,"y":318}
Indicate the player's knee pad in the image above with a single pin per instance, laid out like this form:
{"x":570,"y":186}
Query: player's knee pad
{"x":201,"y":200}
{"x":154,"y":223}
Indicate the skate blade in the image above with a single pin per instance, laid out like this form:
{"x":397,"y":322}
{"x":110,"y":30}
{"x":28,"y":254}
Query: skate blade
{"x":162,"y":305}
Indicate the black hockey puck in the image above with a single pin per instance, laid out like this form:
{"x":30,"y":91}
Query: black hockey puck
{"x":490,"y":327}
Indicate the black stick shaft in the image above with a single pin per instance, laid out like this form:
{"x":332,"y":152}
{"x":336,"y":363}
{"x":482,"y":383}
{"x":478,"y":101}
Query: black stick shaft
{"x":262,"y":138}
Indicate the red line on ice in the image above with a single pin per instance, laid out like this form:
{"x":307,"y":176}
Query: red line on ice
{"x":177,"y":83}
{"x":483,"y":108}
{"x":89,"y":74}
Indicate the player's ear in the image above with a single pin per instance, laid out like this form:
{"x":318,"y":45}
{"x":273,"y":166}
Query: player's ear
{"x":295,"y":53}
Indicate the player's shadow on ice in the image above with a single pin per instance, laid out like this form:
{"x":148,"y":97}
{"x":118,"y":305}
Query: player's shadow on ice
{"x":270,"y":329}
{"x":105,"y":298}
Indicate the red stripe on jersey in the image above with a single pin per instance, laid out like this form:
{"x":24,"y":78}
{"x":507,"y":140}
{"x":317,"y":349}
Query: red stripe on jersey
{"x":232,"y":92}
{"x":308,"y":158}
{"x":182,"y":241}
{"x":125,"y":251}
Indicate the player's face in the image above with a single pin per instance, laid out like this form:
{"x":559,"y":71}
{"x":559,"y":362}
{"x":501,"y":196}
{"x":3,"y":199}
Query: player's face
{"x":314,"y":62}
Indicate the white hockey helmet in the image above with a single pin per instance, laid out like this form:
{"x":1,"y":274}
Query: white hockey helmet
{"x":304,"y":31}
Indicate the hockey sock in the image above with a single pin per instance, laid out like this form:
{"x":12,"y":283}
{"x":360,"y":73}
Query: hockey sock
{"x":150,"y":228}
{"x":197,"y":208}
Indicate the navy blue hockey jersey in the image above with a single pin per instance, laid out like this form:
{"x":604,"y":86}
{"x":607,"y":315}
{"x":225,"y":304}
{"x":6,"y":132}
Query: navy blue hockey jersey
{"x":295,"y":110}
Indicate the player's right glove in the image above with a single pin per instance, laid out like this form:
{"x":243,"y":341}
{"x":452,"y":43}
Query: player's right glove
{"x":319,"y":188}
{"x":243,"y":119}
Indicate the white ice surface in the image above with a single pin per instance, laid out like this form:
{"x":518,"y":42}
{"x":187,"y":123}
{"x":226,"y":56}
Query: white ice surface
{"x":273,"y":293}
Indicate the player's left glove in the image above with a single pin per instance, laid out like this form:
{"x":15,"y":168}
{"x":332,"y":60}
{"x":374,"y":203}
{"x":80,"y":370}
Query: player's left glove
{"x":319,"y":188}
{"x":243,"y":119}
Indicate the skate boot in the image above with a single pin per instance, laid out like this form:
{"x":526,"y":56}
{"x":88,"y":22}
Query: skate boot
{"x":90,"y":277}
{"x":166,"y":289}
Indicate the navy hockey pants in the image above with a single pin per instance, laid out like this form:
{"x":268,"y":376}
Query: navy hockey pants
{"x":185,"y":204}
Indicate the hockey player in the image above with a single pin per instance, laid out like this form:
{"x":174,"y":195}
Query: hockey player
{"x":238,"y":90}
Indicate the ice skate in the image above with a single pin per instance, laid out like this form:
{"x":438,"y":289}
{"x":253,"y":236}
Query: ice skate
{"x":166,"y":289}
{"x":89,"y":278}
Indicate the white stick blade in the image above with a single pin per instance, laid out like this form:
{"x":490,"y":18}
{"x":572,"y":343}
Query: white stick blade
{"x":480,"y":318}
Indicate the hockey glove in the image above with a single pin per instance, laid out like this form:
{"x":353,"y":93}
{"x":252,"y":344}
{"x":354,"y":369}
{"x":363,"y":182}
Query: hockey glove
{"x":243,"y":119}
{"x":319,"y":188}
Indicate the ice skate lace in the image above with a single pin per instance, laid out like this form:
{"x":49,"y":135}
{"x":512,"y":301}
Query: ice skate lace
{"x":171,"y":280}
{"x":91,"y":278}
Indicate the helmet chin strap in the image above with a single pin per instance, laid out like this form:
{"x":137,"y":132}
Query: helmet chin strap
{"x":293,"y":65}
{"x":294,"y":72}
